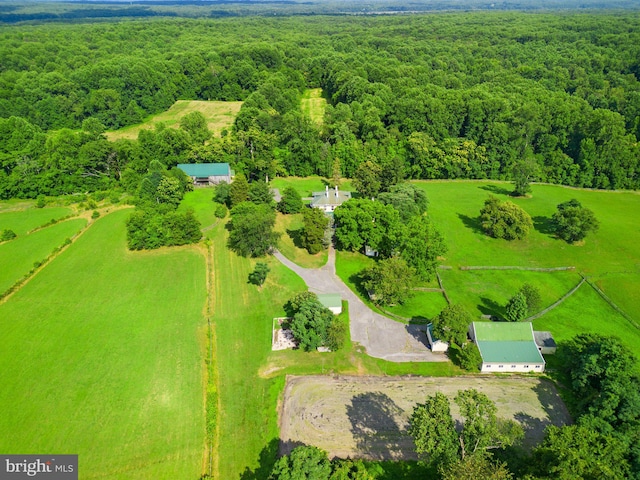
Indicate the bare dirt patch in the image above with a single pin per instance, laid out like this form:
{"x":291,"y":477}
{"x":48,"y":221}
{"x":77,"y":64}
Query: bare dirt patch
{"x":367,"y":417}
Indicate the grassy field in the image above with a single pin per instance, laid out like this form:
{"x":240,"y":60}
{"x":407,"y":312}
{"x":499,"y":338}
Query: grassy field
{"x":486,"y":292}
{"x":313,"y":105}
{"x":100,"y":356}
{"x":219,"y":115}
{"x":22,"y":220}
{"x":19,"y":255}
{"x":609,"y":254}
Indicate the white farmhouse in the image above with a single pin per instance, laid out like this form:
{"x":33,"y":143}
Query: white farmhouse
{"x":329,"y":200}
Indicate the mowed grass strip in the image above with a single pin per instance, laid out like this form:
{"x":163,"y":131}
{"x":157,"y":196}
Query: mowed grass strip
{"x":219,"y":115}
{"x":19,"y":255}
{"x":100,"y":356}
{"x":313,"y":104}
{"x":243,"y":316}
{"x":23,"y":221}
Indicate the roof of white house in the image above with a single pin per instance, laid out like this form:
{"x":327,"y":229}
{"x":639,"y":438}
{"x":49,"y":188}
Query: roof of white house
{"x":506,"y":342}
{"x":334,"y":197}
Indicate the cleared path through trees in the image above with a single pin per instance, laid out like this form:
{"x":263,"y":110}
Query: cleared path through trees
{"x":379,"y":335}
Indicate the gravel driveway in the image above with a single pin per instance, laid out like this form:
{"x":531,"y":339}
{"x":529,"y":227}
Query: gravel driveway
{"x":380,"y":336}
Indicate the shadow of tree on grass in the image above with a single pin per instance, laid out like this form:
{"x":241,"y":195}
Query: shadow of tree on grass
{"x":473,"y":223}
{"x":296,"y":236}
{"x":376,"y":427}
{"x":493,"y":308}
{"x":497,"y":189}
{"x":266,"y":460}
{"x":543,"y":225}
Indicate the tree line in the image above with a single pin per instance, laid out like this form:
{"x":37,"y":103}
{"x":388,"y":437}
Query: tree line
{"x":419,"y":97}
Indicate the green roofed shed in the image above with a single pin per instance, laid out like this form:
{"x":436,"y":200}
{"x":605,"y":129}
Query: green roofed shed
{"x":333,"y":301}
{"x":507,"y":347}
{"x":207,"y":173}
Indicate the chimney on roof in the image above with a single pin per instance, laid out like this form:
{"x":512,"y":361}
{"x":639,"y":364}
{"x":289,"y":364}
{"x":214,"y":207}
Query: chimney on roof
{"x":336,"y":191}
{"x":326,"y":187}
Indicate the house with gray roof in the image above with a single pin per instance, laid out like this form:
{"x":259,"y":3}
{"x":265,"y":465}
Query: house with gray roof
{"x":329,"y":200}
{"x":507,"y":347}
{"x":207,"y":173}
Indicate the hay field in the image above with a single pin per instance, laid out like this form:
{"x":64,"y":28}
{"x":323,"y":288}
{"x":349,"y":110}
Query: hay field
{"x":219,"y":115}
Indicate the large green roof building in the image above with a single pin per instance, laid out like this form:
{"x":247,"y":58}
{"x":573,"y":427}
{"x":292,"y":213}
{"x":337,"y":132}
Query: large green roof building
{"x":207,"y":173}
{"x":507,"y":347}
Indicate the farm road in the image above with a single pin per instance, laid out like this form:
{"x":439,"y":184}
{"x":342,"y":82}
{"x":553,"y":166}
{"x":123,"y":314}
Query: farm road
{"x":381,"y":336}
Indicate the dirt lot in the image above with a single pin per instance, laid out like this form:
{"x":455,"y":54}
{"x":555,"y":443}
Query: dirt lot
{"x":366,"y":417}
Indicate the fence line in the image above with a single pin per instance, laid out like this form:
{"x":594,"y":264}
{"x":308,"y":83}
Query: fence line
{"x":610,"y":302}
{"x":444,"y":292}
{"x":554,"y":305}
{"x":529,"y":269}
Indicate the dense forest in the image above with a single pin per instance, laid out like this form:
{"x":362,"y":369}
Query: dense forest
{"x":455,"y":95}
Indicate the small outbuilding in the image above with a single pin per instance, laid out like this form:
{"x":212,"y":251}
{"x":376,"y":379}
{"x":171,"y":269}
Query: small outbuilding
{"x":207,"y":173}
{"x":436,"y":345}
{"x":507,"y":347}
{"x":332,"y":301}
{"x":329,"y":200}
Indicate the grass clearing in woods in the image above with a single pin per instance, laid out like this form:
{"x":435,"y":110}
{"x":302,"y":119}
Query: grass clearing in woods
{"x":313,"y":104}
{"x":219,"y":115}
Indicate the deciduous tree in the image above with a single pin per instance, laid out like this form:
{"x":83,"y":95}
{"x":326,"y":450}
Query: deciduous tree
{"x":572,"y":222}
{"x":505,"y":219}
{"x":303,"y":462}
{"x":251,"y":231}
{"x":434,"y":432}
{"x":366,"y":179}
{"x":516,"y":308}
{"x":313,"y":232}
{"x":291,"y":201}
{"x":389,"y":281}
{"x":452,"y":324}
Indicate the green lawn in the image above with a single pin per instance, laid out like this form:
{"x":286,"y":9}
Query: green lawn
{"x":290,"y":226}
{"x":586,"y":312}
{"x":243,"y":315}
{"x":199,"y":200}
{"x":305,"y":186}
{"x":101,"y":355}
{"x":486,"y":292}
{"x":421,"y":307}
{"x":18,"y":256}
{"x":24,"y":220}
